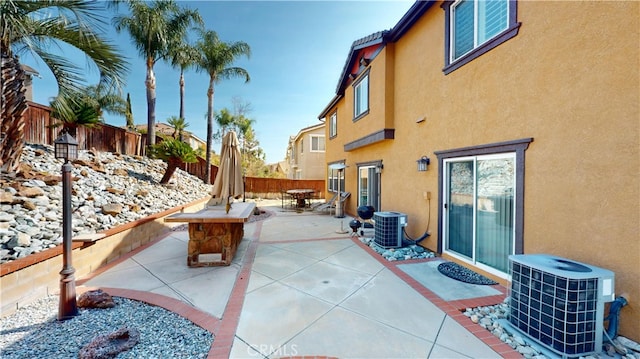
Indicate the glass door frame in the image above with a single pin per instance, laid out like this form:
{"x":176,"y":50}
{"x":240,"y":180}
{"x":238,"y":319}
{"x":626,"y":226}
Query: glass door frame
{"x":475,"y":255}
{"x":373,"y":168}
{"x":519,"y":147}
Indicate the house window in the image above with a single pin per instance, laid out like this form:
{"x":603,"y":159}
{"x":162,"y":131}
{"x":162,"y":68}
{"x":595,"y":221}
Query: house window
{"x":361,"y":97}
{"x":333,"y":125}
{"x":474,"y":27}
{"x":302,"y":146}
{"x":293,"y":154}
{"x":317,"y":143}
{"x":335,"y":178}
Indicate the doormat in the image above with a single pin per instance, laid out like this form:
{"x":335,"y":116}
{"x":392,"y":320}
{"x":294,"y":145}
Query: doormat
{"x":458,"y":272}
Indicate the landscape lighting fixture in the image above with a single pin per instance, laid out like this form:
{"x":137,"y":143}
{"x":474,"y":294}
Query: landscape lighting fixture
{"x":66,"y":148}
{"x":423,"y":163}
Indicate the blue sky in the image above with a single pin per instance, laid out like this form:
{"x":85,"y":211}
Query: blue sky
{"x":298,"y":51}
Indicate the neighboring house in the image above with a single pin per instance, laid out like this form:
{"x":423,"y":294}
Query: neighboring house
{"x":281,"y":168}
{"x":162,"y":128}
{"x":305,"y":153}
{"x":528,"y":112}
{"x":28,"y":83}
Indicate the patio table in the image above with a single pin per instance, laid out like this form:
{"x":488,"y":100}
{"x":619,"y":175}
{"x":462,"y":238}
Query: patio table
{"x":214,"y":231}
{"x":301,"y":196}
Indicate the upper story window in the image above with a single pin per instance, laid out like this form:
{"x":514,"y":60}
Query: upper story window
{"x":333,"y":125}
{"x":302,"y":145}
{"x":474,"y":27}
{"x":361,"y":97}
{"x":317,"y":143}
{"x":292,"y":153}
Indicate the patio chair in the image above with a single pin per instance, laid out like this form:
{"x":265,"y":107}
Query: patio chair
{"x":323,"y":206}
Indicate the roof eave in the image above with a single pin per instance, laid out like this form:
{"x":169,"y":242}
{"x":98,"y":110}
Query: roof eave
{"x":377,"y":38}
{"x":409,"y":19}
{"x":330,"y":106}
{"x":305,"y":130}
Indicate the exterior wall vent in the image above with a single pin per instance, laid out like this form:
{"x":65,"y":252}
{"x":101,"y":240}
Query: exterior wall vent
{"x":388,"y":228}
{"x":559,"y":303}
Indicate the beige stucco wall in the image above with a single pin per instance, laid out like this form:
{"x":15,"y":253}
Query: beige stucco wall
{"x":308,"y":164}
{"x":570,"y":80}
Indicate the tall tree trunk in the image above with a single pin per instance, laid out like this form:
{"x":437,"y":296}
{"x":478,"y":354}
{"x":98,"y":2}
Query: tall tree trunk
{"x":181,"y":93}
{"x":14,"y":105}
{"x":207,"y":171}
{"x":150,"y":83}
{"x":172,"y":165}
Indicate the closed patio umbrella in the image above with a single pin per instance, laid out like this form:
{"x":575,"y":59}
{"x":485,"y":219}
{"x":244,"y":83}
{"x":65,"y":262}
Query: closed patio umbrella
{"x":228,"y":180}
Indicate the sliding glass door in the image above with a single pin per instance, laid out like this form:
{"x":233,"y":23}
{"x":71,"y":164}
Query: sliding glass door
{"x":478,"y":210}
{"x":369,"y":187}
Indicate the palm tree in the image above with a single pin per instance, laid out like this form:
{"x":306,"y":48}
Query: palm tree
{"x":87,"y":107}
{"x":215,"y":59}
{"x":224,"y":119}
{"x":175,"y":152}
{"x":106,"y":101}
{"x":82,"y":112}
{"x":36,"y":27}
{"x":154,"y":28}
{"x":179,"y":125}
{"x":183,"y":56}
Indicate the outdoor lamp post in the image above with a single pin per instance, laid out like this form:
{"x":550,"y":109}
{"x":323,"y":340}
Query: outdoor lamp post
{"x":66,"y":148}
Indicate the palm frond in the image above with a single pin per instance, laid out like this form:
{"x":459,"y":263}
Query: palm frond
{"x":232,"y":72}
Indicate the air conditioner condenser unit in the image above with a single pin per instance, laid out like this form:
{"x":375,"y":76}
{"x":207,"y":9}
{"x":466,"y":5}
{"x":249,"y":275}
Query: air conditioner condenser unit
{"x":389,"y":228}
{"x":559,"y":303}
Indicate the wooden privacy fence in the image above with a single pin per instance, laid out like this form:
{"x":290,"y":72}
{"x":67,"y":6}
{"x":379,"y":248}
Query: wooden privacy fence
{"x":38,"y":128}
{"x":259,"y":186}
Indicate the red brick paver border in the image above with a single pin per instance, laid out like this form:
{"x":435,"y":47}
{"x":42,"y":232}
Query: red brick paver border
{"x":454,"y":308}
{"x":224,"y":329}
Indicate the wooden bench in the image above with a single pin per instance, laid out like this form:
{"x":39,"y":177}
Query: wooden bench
{"x":214,"y":231}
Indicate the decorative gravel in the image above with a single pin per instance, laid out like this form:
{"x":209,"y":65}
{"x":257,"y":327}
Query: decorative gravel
{"x":412,"y":251}
{"x":34,"y":331}
{"x":458,"y":272}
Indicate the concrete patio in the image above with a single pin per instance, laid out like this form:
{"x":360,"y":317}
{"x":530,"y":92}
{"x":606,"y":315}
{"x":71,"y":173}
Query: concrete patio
{"x":298,"y":288}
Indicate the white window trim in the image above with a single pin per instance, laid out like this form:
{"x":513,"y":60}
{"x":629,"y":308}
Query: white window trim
{"x":311,"y":138}
{"x":333,"y":124}
{"x":332,"y":174}
{"x":356,"y":86}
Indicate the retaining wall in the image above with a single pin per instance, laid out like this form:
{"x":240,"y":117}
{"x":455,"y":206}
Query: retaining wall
{"x":38,"y":275}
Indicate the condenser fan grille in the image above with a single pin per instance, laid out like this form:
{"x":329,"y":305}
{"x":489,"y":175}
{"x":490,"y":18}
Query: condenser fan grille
{"x":388,"y":228}
{"x":558,"y":305}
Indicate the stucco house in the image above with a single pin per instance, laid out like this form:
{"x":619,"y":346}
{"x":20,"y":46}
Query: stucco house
{"x":162,"y":128}
{"x":527,"y":117}
{"x":30,"y":72}
{"x":305,"y":153}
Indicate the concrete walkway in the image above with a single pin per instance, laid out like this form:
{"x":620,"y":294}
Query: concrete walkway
{"x":298,"y":288}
